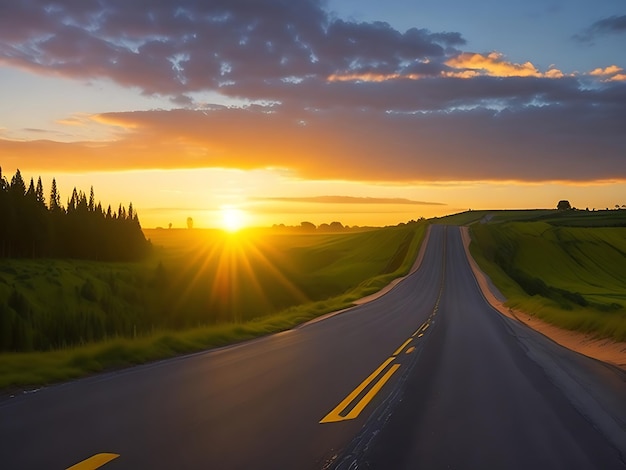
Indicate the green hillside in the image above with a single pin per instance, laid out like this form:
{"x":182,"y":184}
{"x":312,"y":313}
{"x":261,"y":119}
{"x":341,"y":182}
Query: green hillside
{"x":574,"y":277}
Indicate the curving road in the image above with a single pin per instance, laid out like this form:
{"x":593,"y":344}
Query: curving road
{"x":427,"y":376}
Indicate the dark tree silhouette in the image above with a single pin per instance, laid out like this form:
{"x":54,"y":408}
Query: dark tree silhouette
{"x":29,"y":228}
{"x":189,"y":223}
{"x":563,"y":205}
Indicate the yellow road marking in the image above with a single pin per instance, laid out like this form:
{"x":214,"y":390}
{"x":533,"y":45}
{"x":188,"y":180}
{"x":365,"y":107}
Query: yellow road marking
{"x":93,"y":462}
{"x":334,"y":415}
{"x":410,"y":350}
{"x":399,"y":350}
{"x":372,"y":393}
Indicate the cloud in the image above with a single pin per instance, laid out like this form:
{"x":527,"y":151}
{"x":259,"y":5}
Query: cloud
{"x":175,"y":48}
{"x":569,"y":136}
{"x":350,"y":200}
{"x":612,"y":73}
{"x":469,"y":65}
{"x":319,"y":96}
{"x":611,"y":25}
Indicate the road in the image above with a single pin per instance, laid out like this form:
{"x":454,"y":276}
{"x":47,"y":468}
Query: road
{"x":427,"y":376}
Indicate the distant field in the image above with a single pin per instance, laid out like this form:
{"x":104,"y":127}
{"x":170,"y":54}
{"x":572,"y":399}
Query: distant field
{"x":570,"y":275}
{"x":199,"y":289}
{"x":572,"y":218}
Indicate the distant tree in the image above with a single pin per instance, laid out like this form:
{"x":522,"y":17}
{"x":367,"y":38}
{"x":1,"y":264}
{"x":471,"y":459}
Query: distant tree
{"x":563,"y":205}
{"x":92,"y":200}
{"x":307,"y":226}
{"x":189,"y":223}
{"x":30,"y":229}
{"x":169,"y":225}
{"x":336,"y":226}
{"x":30,"y":192}
{"x":18,"y":187}
{"x":41,"y":199}
{"x":55,"y":197}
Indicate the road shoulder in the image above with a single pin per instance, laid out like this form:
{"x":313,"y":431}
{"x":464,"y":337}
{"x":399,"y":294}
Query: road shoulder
{"x":603,"y":349}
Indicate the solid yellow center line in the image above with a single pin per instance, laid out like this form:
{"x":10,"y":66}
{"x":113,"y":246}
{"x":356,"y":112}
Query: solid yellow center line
{"x":372,"y":393}
{"x":93,"y":462}
{"x":334,"y":415}
{"x":399,"y":350}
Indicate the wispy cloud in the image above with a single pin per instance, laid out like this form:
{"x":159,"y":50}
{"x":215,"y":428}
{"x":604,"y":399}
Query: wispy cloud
{"x":612,"y":25}
{"x":350,"y":200}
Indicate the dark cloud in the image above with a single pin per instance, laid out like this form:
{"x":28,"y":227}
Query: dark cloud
{"x":611,"y":25}
{"x":350,"y":200}
{"x":173,"y":48}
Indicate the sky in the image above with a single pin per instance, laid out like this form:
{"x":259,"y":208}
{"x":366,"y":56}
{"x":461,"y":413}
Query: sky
{"x":365,"y":112}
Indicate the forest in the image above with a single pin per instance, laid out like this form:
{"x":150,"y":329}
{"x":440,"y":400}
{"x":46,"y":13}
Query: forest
{"x":32,"y":228}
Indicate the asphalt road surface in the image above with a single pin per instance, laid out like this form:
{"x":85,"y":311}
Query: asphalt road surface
{"x":427,"y":376}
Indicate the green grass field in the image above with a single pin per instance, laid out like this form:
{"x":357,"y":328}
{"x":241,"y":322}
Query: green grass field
{"x":199,"y":289}
{"x":571,"y":276}
{"x":570,"y":218}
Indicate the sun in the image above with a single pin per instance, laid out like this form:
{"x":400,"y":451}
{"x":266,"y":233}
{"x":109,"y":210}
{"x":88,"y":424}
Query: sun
{"x":233,"y":219}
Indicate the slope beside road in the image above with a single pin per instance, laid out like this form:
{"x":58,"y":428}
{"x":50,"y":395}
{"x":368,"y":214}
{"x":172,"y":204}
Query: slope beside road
{"x":603,"y":349}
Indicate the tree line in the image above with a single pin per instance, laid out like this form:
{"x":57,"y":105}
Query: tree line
{"x":32,"y":228}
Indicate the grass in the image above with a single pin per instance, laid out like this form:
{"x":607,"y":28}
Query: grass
{"x":571,"y":218}
{"x":572,"y":277}
{"x":284,"y":279}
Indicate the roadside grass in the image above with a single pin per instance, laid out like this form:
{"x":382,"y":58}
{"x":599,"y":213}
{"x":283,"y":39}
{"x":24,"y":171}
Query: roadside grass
{"x":341,"y":267}
{"x":572,"y":277}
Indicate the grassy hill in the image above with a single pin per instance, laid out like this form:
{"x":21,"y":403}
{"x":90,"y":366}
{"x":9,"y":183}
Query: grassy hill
{"x":198,"y":289}
{"x":568,"y":268}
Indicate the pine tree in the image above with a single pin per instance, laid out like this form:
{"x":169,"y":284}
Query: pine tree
{"x":55,"y":197}
{"x":18,"y":187}
{"x":91,"y":200}
{"x":41,"y":199}
{"x":73,"y":201}
{"x":30,"y":192}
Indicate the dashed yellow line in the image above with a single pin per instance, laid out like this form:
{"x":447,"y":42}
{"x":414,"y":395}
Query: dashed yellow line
{"x":93,"y":462}
{"x":399,"y":350}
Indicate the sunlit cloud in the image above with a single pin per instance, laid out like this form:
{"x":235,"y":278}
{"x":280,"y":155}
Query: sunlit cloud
{"x":494,"y":65}
{"x":612,"y":73}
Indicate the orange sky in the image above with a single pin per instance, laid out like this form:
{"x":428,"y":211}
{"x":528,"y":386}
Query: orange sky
{"x":296,"y":113}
